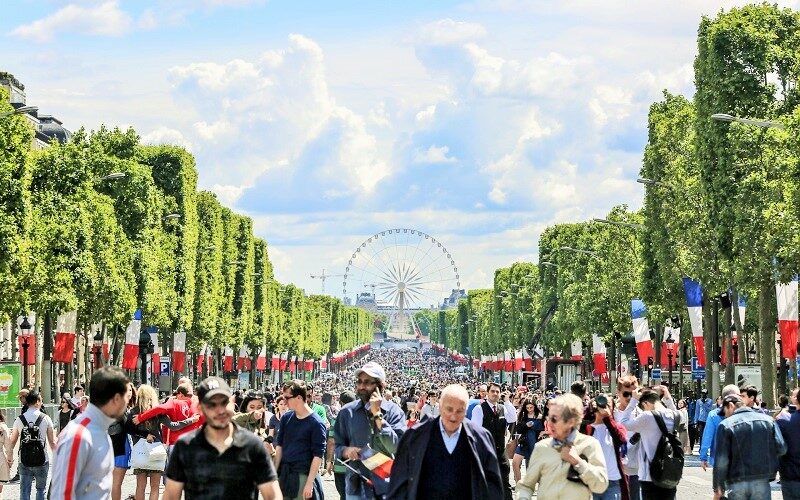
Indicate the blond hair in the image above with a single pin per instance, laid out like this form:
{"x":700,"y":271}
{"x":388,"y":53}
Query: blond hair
{"x":146,"y":398}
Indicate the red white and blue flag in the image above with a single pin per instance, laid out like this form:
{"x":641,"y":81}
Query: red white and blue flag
{"x":227,"y":361}
{"x":130,"y":355}
{"x":599,"y":355}
{"x":179,"y":352}
{"x":379,"y":467}
{"x":787,"y":317}
{"x":64,"y":347}
{"x":694,"y":304}
{"x":641,"y":331}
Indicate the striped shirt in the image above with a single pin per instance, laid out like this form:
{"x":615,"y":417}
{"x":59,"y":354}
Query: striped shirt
{"x":84,"y":458}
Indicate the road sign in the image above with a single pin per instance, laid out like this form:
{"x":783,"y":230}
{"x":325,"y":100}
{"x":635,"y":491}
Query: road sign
{"x":698,"y":372}
{"x":655,"y":373}
{"x":164,"y":368}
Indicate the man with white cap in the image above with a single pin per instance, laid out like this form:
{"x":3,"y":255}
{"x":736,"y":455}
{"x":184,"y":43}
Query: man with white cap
{"x":369,"y":421}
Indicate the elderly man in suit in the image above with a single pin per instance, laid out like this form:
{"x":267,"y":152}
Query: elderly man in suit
{"x":446,"y":457}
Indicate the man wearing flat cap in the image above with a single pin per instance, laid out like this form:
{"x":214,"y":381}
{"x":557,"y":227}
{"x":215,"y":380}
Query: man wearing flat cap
{"x":220,"y":459}
{"x":369,"y":421}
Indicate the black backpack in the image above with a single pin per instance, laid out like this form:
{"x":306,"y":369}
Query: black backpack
{"x":666,"y":468}
{"x":31,"y":446}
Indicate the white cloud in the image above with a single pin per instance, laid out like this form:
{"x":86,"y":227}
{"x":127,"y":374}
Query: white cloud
{"x":448,"y":32}
{"x":425,"y":117}
{"x":105,"y":19}
{"x":166,"y":135}
{"x":435,"y":154}
{"x":227,"y":194}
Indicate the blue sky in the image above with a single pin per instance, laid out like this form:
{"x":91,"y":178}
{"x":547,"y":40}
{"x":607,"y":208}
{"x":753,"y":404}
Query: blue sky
{"x":479,"y":122}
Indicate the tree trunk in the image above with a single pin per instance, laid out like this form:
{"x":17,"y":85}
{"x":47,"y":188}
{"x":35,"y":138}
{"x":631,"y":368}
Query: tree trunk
{"x":708,"y":341}
{"x":47,"y":365}
{"x":766,"y":325}
{"x":727,"y":343}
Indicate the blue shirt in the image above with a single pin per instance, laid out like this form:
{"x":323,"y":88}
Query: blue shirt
{"x":710,"y":431}
{"x":704,"y":406}
{"x":691,"y":410}
{"x":301,"y":439}
{"x":450,"y":442}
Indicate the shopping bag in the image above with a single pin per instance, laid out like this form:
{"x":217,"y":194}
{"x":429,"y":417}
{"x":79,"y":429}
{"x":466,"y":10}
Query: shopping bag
{"x":148,"y":456}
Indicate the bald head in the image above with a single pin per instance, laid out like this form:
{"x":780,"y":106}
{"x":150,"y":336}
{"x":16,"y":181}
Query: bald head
{"x":453,"y":407}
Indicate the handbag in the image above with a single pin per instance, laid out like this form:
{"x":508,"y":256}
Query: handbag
{"x":511,"y":447}
{"x":148,"y":456}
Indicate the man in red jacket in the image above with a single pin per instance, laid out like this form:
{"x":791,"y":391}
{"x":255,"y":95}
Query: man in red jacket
{"x":180,"y":407}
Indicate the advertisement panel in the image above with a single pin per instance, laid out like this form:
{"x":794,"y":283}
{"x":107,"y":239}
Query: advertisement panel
{"x":10,"y":384}
{"x":748,"y":375}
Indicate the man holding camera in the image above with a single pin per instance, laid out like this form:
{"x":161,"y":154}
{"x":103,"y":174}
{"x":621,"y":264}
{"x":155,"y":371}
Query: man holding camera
{"x":611,"y":435}
{"x":493,"y":416}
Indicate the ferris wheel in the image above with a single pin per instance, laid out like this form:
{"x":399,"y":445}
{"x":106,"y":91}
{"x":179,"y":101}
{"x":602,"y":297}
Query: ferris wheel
{"x":398,"y":271}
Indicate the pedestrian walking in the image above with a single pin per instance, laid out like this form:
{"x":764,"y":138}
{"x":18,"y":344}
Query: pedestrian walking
{"x":84,"y":458}
{"x":220,"y":459}
{"x":491,"y":415}
{"x":626,"y":385}
{"x":702,"y":408}
{"x":748,"y":446}
{"x":370,"y":421}
{"x":121,"y":445}
{"x":612,"y":438}
{"x":446,"y":457}
{"x":656,"y":404}
{"x":34,"y":430}
{"x":790,"y":462}
{"x":683,"y":435}
{"x":528,"y":427}
{"x":300,"y":446}
{"x":714,"y":417}
{"x":568,"y":465}
{"x":338,"y":470}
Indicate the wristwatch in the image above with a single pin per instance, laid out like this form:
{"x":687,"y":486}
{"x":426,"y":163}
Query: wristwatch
{"x":377,"y":416}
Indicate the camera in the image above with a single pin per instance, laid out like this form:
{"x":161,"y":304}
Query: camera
{"x":269,"y":439}
{"x":601,"y":400}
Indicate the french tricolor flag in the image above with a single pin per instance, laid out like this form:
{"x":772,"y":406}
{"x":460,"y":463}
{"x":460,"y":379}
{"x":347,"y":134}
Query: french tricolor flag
{"x":599,"y":355}
{"x":227,"y":361}
{"x":641,"y":331}
{"x":130,"y":355}
{"x":694,"y":304}
{"x":179,"y":352}
{"x":261,"y":360}
{"x":787,"y":317}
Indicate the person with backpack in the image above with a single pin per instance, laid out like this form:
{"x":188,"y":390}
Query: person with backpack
{"x":32,"y":428}
{"x":661,"y":457}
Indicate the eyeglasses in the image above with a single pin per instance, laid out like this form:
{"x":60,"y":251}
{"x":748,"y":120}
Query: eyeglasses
{"x":365,"y":382}
{"x":627,"y":394}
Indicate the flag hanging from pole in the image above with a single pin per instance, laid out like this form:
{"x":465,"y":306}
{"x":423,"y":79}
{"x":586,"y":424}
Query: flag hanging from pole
{"x":155,"y":360}
{"x":599,"y":354}
{"x":130,"y":355}
{"x":576,"y":350}
{"x":201,"y":359}
{"x":261,"y":361}
{"x":179,"y":352}
{"x":694,"y":304}
{"x":227,"y":363}
{"x":641,"y":331}
{"x":64,"y":347}
{"x":787,"y":317}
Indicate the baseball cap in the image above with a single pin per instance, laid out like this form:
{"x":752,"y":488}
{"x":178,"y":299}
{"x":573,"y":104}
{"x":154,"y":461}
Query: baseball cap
{"x":374,"y":370}
{"x":212,"y":386}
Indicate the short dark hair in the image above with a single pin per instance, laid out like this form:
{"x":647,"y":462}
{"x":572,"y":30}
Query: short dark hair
{"x":297,"y":388}
{"x":751,"y":391}
{"x":649,"y":396}
{"x":493,"y":384}
{"x":106,"y":383}
{"x":783,"y":401}
{"x":32,"y":398}
{"x":182,"y":389}
{"x":78,"y":388}
{"x":578,"y":388}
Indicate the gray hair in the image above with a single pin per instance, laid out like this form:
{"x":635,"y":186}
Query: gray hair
{"x":456,"y":392}
{"x":730,"y":389}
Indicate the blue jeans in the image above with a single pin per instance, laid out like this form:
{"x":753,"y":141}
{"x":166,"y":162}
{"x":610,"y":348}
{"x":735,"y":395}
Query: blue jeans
{"x":790,"y":490}
{"x":633,"y":487}
{"x":756,"y":489}
{"x":613,"y":492}
{"x":26,"y":477}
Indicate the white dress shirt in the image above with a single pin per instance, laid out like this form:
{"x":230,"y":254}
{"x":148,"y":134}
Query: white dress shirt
{"x":450,"y":442}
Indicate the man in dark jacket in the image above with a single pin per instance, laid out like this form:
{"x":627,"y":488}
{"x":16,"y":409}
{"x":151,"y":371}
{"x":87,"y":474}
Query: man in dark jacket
{"x":790,"y":463}
{"x":447,"y":457}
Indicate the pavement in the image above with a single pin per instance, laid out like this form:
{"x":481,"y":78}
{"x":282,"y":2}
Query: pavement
{"x":695,"y":485}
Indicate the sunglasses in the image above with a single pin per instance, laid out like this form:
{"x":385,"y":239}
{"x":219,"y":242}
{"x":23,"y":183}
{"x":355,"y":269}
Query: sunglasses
{"x":627,"y":394}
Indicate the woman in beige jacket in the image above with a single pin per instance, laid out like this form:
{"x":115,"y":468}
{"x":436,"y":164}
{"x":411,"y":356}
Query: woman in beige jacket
{"x":552,"y":458}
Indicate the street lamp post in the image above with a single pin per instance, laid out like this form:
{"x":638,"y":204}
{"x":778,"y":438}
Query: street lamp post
{"x":145,"y":347}
{"x":724,"y":117}
{"x":26,"y":332}
{"x":19,"y":111}
{"x":670,"y":344}
{"x":97,"y":342}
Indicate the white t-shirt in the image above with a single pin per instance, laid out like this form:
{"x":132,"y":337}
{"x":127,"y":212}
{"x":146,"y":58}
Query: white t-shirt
{"x":607,"y":445}
{"x":31,"y":416}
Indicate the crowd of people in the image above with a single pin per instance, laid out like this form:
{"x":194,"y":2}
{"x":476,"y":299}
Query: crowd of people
{"x":399,"y":424}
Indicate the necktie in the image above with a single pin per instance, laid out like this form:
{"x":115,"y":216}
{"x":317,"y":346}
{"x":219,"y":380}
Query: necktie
{"x":494,"y":407}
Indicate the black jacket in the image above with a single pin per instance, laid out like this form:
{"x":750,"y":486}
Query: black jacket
{"x":486,"y":482}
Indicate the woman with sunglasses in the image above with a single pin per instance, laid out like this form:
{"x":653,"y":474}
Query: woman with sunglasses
{"x":567,"y":465}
